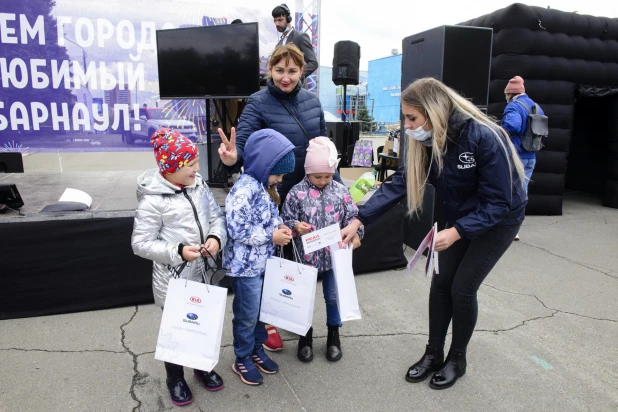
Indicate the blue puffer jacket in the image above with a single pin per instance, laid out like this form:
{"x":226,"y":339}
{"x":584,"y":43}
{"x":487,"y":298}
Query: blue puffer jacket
{"x":515,"y":120}
{"x":264,"y":110}
{"x":252,"y":216}
{"x":478,"y":189}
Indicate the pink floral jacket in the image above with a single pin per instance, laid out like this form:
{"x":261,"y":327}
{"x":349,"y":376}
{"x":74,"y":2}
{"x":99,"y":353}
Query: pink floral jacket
{"x":320,"y":208}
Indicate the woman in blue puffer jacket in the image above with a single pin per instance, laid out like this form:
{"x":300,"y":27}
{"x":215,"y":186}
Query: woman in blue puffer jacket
{"x":286,"y":107}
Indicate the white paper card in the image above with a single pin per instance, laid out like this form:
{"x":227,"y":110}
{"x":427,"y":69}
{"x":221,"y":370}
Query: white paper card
{"x":74,"y":195}
{"x":319,"y":239}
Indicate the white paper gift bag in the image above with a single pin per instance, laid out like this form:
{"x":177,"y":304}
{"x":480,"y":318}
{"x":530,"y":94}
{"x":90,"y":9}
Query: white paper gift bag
{"x":288,"y":295}
{"x":347,"y":299}
{"x":192,"y":324}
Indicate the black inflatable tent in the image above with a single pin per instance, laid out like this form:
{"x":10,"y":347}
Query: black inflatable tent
{"x":569,"y":63}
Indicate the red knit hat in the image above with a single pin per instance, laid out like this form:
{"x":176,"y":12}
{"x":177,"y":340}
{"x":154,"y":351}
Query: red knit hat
{"x":172,"y":150}
{"x":515,"y":86}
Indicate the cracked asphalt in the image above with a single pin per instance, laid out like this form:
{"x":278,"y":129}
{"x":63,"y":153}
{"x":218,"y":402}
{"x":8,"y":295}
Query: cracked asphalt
{"x":546,"y":339}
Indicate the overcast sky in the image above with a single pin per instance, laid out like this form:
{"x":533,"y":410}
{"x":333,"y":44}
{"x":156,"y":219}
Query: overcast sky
{"x":380,"y":25}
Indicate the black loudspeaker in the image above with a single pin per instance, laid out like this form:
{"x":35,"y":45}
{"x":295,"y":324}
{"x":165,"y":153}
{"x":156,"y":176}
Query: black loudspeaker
{"x":459,"y":56}
{"x":11,"y":162}
{"x":343,"y":134}
{"x":346,"y":61}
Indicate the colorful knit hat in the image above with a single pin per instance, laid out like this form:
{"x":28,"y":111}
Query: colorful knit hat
{"x":172,"y":150}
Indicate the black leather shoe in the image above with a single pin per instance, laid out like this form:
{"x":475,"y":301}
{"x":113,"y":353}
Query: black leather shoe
{"x":179,"y":391}
{"x":333,"y":345}
{"x":454,"y":368}
{"x":211,"y":381}
{"x":305,"y":347}
{"x":429,"y":363}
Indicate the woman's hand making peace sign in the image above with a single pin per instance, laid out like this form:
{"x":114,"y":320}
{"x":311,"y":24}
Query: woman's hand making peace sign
{"x":227,"y":149}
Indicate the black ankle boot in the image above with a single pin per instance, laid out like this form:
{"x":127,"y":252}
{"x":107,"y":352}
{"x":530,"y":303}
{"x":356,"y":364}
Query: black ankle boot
{"x":305,"y":347}
{"x":454,"y":367}
{"x":430,"y":362}
{"x":333,"y":345}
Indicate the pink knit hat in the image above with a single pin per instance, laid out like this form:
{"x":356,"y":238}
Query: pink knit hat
{"x":321,"y":156}
{"x":515,"y":86}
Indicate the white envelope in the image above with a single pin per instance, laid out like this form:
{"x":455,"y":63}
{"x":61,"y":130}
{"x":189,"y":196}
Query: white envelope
{"x":319,"y":239}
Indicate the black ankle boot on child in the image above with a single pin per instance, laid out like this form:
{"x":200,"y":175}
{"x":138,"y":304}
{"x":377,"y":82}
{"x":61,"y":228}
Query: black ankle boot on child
{"x":429,"y":363}
{"x":305,"y":347}
{"x":333,"y":345}
{"x":454,"y":368}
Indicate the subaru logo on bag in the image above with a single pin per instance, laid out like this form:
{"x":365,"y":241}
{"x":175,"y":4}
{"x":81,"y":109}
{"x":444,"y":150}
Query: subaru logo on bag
{"x":192,"y":316}
{"x":286,"y":292}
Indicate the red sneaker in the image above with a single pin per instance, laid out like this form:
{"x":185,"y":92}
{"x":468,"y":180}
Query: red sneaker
{"x":274,"y":342}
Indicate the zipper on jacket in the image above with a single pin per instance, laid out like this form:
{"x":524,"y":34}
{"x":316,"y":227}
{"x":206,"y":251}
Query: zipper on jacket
{"x":197,"y":219}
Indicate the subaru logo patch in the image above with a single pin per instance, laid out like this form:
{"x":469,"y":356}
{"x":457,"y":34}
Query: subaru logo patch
{"x":286,"y":292}
{"x":192,"y":316}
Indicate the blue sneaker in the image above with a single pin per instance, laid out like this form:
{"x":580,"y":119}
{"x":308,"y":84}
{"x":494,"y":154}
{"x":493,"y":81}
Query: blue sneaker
{"x":263,"y":362}
{"x":248,"y":373}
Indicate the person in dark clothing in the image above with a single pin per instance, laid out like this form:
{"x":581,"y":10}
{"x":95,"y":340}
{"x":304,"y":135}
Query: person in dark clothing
{"x":476,"y":171}
{"x":282,"y":18}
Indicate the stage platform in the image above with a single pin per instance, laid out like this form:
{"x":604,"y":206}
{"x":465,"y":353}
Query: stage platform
{"x":75,"y":261}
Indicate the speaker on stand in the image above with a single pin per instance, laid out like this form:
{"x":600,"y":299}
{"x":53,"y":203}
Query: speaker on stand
{"x":346,"y":62}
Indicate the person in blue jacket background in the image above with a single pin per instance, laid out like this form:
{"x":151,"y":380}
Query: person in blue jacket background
{"x":515,"y":121}
{"x":475,"y":168}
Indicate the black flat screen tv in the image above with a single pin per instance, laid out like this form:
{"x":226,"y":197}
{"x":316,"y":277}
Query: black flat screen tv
{"x":209,"y":62}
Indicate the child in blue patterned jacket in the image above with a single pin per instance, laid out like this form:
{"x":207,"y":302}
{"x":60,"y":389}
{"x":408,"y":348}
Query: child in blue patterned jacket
{"x":315,"y":203}
{"x":254,"y":228}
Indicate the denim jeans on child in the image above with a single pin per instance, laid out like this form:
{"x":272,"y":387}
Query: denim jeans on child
{"x":330,"y":297}
{"x":528,"y":168}
{"x":249,"y":333}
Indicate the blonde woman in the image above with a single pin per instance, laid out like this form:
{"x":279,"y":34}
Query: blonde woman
{"x":475,"y":168}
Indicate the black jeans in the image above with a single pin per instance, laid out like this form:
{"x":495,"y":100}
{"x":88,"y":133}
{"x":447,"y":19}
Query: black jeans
{"x":463,"y":267}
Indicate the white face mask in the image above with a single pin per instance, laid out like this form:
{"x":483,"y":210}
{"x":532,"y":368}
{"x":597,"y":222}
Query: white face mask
{"x":420,"y":135}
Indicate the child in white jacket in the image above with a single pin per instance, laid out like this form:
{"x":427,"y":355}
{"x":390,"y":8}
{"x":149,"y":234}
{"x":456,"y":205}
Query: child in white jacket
{"x":177,"y":224}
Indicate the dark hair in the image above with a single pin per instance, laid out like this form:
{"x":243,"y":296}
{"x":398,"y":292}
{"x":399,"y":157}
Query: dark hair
{"x":280,"y":11}
{"x":236,"y":21}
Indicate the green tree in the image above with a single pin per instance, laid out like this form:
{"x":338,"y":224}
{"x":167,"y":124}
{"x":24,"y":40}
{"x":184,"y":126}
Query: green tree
{"x":363,"y":116}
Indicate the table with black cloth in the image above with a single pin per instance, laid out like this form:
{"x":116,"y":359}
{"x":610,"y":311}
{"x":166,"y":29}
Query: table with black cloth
{"x":78,"y":261}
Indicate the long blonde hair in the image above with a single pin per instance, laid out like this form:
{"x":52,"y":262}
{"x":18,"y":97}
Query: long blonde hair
{"x":439,"y":102}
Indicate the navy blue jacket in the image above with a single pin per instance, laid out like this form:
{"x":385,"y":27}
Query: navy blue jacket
{"x":478,"y":189}
{"x":515,"y":120}
{"x":264,"y":110}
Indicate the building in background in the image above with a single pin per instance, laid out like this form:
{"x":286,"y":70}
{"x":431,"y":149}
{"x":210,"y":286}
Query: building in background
{"x":384,"y":88}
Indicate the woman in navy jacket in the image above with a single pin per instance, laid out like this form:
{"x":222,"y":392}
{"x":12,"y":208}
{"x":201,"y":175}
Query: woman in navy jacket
{"x":475,"y":168}
{"x":286,"y":107}
{"x":283,"y":106}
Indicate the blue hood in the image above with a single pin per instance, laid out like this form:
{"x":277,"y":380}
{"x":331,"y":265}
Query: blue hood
{"x":263,"y":150}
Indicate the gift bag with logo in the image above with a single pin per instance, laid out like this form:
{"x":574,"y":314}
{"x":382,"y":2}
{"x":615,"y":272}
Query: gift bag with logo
{"x":288,"y":295}
{"x":192,"y":324}
{"x":347,"y":300}
{"x":363,"y":153}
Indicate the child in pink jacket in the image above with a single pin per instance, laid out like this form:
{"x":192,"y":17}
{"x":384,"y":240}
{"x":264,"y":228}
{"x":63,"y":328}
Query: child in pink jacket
{"x":315,"y":203}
